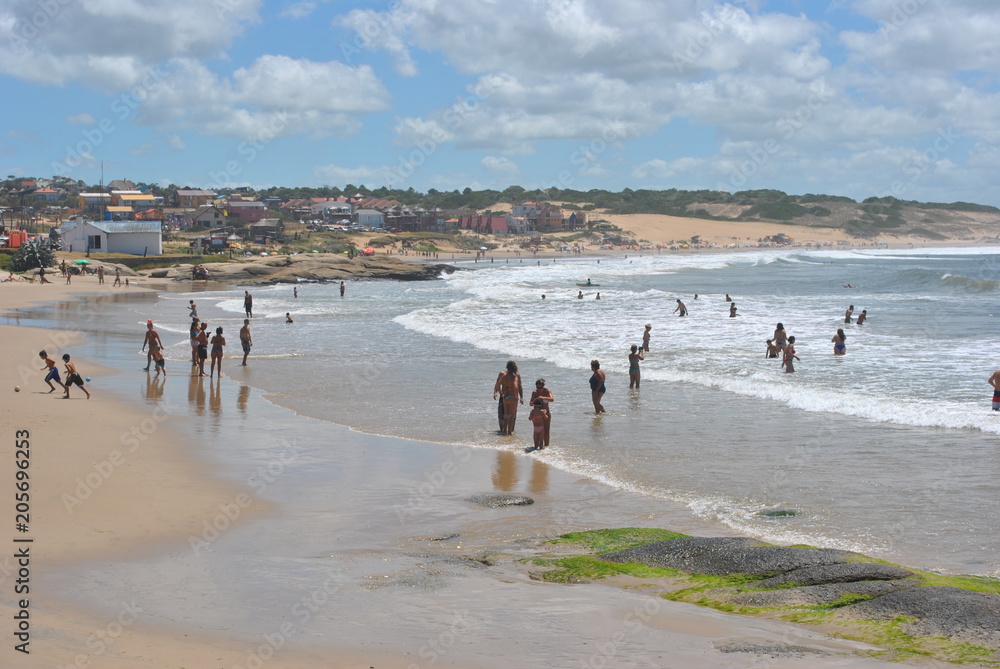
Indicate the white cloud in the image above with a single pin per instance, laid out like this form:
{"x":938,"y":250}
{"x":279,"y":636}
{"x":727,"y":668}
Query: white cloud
{"x":144,"y":149}
{"x":176,"y":143}
{"x":298,"y":10}
{"x":81,"y":119}
{"x":499,"y":165}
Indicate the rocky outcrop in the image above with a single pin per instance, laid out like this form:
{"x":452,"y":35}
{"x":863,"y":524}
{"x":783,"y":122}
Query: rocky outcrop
{"x":307,"y":267}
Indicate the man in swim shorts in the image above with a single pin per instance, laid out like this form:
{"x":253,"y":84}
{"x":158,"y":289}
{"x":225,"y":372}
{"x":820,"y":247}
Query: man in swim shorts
{"x":995,"y":382}
{"x":245,"y":340}
{"x":681,"y":308}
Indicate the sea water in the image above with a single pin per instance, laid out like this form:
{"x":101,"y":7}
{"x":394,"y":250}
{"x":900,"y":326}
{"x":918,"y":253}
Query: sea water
{"x":891,"y":450}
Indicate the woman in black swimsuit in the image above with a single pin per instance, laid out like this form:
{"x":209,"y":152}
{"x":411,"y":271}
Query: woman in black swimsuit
{"x":597,"y":388}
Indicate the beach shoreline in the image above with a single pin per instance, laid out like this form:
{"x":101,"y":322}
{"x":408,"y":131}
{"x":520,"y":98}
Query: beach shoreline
{"x":158,"y":495}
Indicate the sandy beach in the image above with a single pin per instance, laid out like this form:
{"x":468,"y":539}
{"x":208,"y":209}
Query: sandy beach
{"x":118,"y":480}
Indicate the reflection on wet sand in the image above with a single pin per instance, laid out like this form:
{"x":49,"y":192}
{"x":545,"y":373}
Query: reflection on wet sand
{"x":505,"y":474}
{"x":215,"y":396}
{"x":196,"y":394}
{"x":154,"y":387}
{"x":539,"y":482}
{"x":241,"y":399}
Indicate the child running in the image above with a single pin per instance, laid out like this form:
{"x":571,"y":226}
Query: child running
{"x":53,"y":374}
{"x":72,"y":377}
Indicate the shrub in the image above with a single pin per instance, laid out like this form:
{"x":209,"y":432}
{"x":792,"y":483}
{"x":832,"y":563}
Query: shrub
{"x":31,"y":255}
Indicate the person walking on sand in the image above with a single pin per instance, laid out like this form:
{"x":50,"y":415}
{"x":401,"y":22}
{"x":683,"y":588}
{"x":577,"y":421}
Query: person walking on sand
{"x":633,"y":367}
{"x":780,"y":337}
{"x":69,"y":274}
{"x":847,"y":314}
{"x":839,"y":342}
{"x":193,"y":334}
{"x":118,"y":278}
{"x":248,"y":303}
{"x":100,"y":275}
{"x":681,"y":308}
{"x":218,"y":342}
{"x":994,"y":381}
{"x":53,"y":374}
{"x":152,"y":340}
{"x":246,"y":341}
{"x":537,"y":418}
{"x":863,"y":316}
{"x":41,"y":275}
{"x":789,"y":356}
{"x":545,"y":395}
{"x":72,"y":377}
{"x":508,"y":387}
{"x":597,"y":387}
{"x":645,"y":338}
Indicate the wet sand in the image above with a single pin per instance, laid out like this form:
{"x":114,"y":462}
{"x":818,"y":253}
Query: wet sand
{"x":384,"y":552}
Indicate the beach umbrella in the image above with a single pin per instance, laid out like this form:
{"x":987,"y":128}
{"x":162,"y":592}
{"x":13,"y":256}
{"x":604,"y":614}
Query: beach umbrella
{"x":82,"y":261}
{"x":483,"y":248}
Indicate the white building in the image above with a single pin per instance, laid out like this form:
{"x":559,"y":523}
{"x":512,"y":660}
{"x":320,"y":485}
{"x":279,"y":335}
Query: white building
{"x":132,"y":237}
{"x":370,"y":218}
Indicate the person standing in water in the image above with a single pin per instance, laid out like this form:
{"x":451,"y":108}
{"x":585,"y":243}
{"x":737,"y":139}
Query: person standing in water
{"x":597,"y":387}
{"x":633,"y":367}
{"x":839,"y":342}
{"x":152,"y":340}
{"x":645,"y":338}
{"x":732,"y":310}
{"x":508,"y":388}
{"x":863,"y":316}
{"x":780,"y":338}
{"x":538,"y":418}
{"x":341,"y":288}
{"x":847,"y":314}
{"x":681,"y":308}
{"x":994,"y":381}
{"x":789,"y":356}
{"x":772,"y":350}
{"x":545,"y":396}
{"x":218,"y":341}
{"x":248,"y":303}
{"x":245,"y":340}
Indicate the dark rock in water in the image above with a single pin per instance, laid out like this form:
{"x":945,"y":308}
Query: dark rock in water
{"x":779,"y":513}
{"x":826,"y":593}
{"x":773,"y":648}
{"x":497,"y":500}
{"x":939,"y":611}
{"x":159,"y":273}
{"x":726,"y":555}
{"x":836,"y":573}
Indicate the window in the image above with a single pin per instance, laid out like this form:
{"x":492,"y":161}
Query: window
{"x":94,"y":242}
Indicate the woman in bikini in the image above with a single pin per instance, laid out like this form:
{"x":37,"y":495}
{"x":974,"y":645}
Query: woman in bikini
{"x":839,"y":342}
{"x":218,"y":341}
{"x":597,"y":388}
{"x":786,"y":362}
{"x":508,"y":386}
{"x":633,"y":367}
{"x":780,"y":337}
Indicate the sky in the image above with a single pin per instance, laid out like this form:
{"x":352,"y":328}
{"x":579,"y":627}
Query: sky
{"x":858,"y":98}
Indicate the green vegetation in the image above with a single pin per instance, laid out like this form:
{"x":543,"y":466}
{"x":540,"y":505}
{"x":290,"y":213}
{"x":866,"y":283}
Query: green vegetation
{"x":32,"y":255}
{"x":608,"y":541}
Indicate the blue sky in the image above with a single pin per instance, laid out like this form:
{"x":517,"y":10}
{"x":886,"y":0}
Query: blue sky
{"x":850,"y":97}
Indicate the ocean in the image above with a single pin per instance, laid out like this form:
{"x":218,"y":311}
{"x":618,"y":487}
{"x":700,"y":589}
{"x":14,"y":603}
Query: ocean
{"x":891,"y":450}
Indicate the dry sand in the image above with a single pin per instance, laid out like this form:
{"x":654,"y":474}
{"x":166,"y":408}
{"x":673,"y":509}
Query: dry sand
{"x":143,"y":490}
